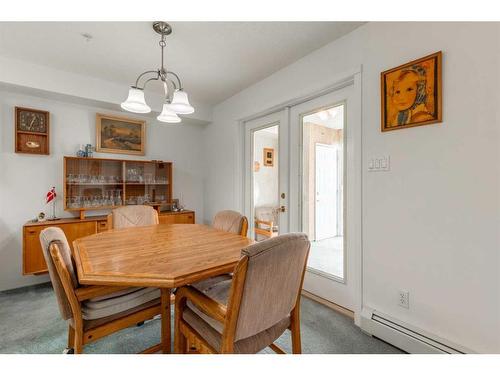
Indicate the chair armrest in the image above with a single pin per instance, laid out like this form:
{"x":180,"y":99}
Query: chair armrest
{"x":206,"y":304}
{"x":87,"y":292}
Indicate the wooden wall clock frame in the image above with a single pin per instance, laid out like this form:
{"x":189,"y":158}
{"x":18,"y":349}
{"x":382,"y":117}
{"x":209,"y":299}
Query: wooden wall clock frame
{"x":24,"y":136}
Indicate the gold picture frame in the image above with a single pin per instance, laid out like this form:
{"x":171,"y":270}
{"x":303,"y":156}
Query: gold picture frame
{"x":120,"y":135}
{"x":411,"y":94}
{"x":268,"y":157}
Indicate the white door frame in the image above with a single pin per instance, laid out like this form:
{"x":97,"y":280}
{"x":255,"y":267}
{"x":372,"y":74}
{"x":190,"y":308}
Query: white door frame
{"x":354,"y":77}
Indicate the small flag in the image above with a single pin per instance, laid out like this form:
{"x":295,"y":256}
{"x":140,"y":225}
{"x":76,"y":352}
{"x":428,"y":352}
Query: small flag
{"x":51,"y":195}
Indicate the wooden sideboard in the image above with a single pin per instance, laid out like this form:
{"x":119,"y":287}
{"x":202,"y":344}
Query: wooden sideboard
{"x":33,"y":260}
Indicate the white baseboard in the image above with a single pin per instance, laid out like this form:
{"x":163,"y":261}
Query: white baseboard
{"x":404,"y":336}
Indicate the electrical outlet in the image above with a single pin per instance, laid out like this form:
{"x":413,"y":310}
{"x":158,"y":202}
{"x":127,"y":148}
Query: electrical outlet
{"x":404,"y":299}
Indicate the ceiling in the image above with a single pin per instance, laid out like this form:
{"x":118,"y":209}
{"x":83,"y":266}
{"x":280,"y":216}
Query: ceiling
{"x":215,"y":60}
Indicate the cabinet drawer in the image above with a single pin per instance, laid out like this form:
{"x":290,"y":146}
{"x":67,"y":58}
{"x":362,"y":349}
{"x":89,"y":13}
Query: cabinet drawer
{"x":187,"y":218}
{"x":178,"y":218}
{"x":166,"y":219}
{"x":102,"y":226}
{"x":33,"y":259}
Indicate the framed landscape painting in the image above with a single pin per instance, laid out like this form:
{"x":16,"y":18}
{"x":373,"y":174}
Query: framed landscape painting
{"x":119,"y":135}
{"x":411,"y":94}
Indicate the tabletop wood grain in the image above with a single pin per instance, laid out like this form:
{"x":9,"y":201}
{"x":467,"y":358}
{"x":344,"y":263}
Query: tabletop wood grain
{"x":165,"y":255}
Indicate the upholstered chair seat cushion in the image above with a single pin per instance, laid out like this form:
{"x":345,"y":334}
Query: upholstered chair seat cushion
{"x":249,"y":345}
{"x":211,"y":329}
{"x":203,"y":285}
{"x":89,"y":324}
{"x":97,"y":308}
{"x":115,"y":294}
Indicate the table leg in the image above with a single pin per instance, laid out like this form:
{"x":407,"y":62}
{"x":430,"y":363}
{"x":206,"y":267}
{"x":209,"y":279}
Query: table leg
{"x":165,"y":320}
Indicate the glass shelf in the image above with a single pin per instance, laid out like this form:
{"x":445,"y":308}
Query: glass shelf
{"x":146,"y":183}
{"x":99,"y":184}
{"x":95,"y":183}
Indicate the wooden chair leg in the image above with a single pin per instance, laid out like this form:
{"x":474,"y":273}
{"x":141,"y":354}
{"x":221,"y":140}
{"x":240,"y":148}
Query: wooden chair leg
{"x":180,"y":342}
{"x":78,"y":345}
{"x":295,"y":330}
{"x":71,"y":336}
{"x":165,"y":320}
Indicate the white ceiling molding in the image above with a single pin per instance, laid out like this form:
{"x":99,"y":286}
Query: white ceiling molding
{"x":79,"y":88}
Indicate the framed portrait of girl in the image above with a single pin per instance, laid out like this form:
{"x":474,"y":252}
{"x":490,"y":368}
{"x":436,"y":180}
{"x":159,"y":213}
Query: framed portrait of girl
{"x":411,"y":94}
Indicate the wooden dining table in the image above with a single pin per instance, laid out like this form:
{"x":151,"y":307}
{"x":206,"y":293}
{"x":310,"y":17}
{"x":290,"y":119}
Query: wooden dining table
{"x":166,"y":256}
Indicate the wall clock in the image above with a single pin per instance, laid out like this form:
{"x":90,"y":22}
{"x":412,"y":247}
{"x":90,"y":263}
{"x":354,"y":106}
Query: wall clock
{"x":32,"y":131}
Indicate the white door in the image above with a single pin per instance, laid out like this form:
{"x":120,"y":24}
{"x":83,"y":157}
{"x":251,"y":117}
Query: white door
{"x":326,"y":182}
{"x":267,"y":173}
{"x":334,"y":265}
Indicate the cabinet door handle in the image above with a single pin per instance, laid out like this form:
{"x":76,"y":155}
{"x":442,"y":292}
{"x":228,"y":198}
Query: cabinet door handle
{"x":31,"y":231}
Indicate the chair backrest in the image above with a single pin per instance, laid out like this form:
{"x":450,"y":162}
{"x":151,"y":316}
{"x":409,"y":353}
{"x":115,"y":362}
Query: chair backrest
{"x":274,"y":276}
{"x":55,"y":235}
{"x":231,"y":221}
{"x":133,"y":216}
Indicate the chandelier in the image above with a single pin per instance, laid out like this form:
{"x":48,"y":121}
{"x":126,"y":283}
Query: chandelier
{"x":176,"y":99}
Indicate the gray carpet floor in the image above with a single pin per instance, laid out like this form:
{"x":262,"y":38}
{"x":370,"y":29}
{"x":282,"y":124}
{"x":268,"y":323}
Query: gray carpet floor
{"x":30,"y":323}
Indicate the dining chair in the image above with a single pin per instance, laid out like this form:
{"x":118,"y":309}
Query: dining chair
{"x":132,"y":216}
{"x":231,"y":221}
{"x":227,"y":221}
{"x":266,"y":223}
{"x":249,"y":312}
{"x":94,"y":311}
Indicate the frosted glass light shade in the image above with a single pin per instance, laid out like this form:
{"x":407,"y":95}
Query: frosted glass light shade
{"x":167,"y":115}
{"x":180,"y":103}
{"x":135,"y":102}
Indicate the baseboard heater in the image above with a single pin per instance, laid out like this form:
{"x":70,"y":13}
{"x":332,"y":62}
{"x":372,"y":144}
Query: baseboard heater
{"x":404,"y":336}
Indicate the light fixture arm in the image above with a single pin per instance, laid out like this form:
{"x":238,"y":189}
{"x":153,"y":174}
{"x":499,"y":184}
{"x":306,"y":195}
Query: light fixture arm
{"x":177,"y":78}
{"x":142,"y":75}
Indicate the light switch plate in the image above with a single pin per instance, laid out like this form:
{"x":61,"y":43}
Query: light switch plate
{"x":379,"y":164}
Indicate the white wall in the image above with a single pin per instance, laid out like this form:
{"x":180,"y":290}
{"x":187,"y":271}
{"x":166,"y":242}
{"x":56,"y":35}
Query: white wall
{"x":24,"y":179}
{"x":431,"y":224}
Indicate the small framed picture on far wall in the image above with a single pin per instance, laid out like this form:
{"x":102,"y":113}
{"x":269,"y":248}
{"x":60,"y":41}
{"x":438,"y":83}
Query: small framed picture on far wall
{"x":268,"y":157}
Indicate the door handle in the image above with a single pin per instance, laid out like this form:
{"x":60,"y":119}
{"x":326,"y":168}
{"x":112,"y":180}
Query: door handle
{"x":283,"y":209}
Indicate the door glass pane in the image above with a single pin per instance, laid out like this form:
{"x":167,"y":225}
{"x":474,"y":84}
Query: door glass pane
{"x":265,"y":172}
{"x":322,"y":188}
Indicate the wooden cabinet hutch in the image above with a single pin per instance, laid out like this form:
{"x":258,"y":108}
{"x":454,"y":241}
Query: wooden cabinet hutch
{"x":92,"y":184}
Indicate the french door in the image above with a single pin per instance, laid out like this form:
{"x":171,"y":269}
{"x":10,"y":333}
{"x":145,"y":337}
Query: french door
{"x":267,"y":175}
{"x":325,"y":191}
{"x":302,"y":174}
